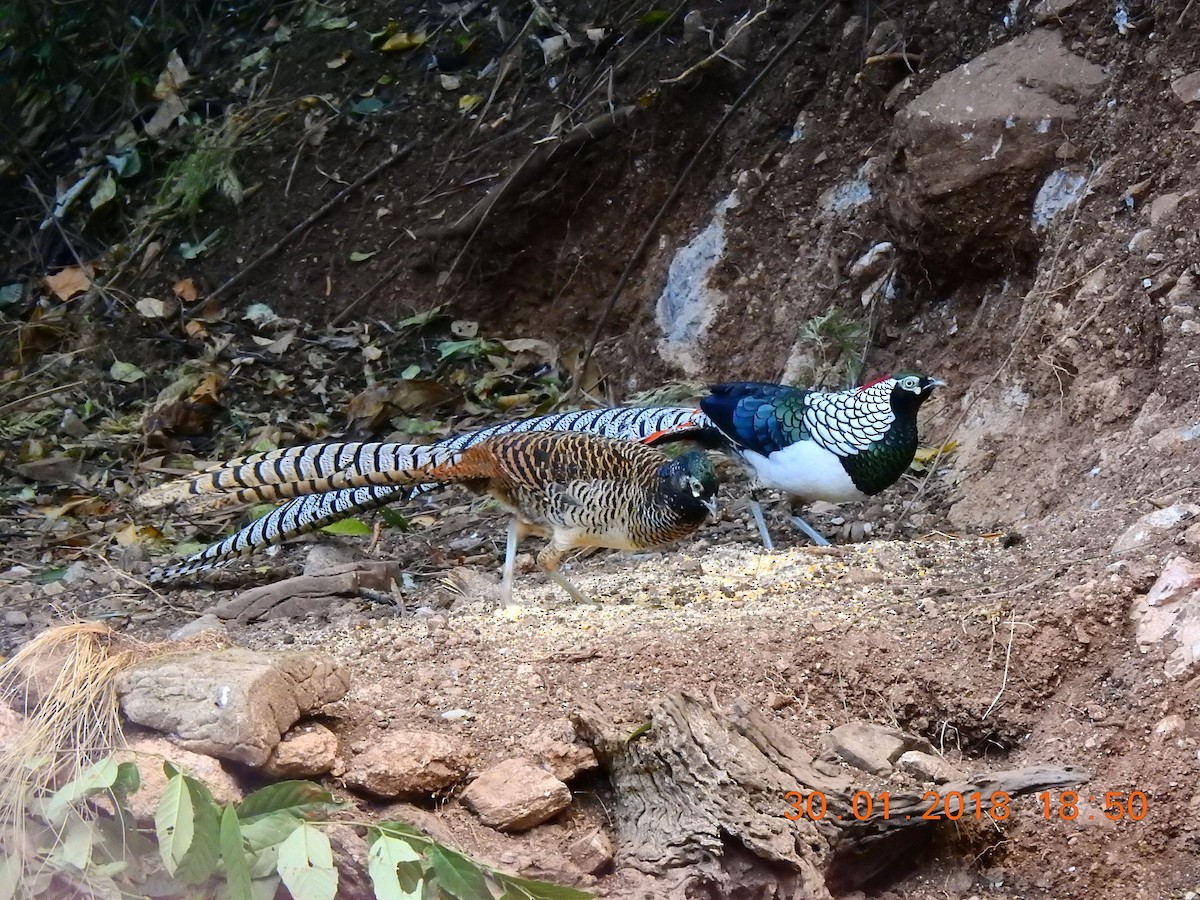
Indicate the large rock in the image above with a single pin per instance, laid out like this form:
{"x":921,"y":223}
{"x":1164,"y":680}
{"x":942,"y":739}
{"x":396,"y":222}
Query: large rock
{"x":149,"y":752}
{"x":233,"y":703}
{"x":556,"y":745}
{"x":1153,"y":526}
{"x":1169,"y":614}
{"x":516,"y":795}
{"x":408,"y":765}
{"x":979,"y":141}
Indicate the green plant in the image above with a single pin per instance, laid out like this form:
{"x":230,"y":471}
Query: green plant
{"x":832,"y":341}
{"x":81,"y":840}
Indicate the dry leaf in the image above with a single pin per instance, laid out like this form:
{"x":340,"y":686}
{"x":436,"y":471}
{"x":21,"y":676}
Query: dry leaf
{"x":69,"y":281}
{"x":185,"y":289}
{"x":152,"y":308}
{"x":173,"y":77}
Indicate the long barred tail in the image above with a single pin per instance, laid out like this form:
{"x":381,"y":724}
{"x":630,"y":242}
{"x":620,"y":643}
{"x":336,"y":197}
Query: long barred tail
{"x":315,"y":461}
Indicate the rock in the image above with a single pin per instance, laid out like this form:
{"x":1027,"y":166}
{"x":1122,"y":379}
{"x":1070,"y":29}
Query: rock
{"x":1169,"y":615}
{"x":1169,"y":725}
{"x":304,"y":752}
{"x":150,"y":751}
{"x":592,"y":853}
{"x":16,"y":618}
{"x":11,"y":723}
{"x":928,"y":767}
{"x":1187,"y":88}
{"x":232,"y":703}
{"x":977,"y":143}
{"x":516,"y":795}
{"x":1049,"y":10}
{"x":1152,"y":526}
{"x":1163,"y":207}
{"x":408,"y":764}
{"x":872,"y":748}
{"x":872,"y":263}
{"x":555,"y":744}
{"x":206,"y":622}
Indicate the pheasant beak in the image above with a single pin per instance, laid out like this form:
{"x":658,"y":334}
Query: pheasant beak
{"x":711,"y":505}
{"x":936,"y":382}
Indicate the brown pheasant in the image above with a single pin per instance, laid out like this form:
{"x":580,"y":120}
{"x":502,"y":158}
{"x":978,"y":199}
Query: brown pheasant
{"x":578,"y":490}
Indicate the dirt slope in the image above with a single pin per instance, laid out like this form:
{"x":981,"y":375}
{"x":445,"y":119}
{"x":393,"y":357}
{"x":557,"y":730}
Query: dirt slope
{"x":988,"y":615}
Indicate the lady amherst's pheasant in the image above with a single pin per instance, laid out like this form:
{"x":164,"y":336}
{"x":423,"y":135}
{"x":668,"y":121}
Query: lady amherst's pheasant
{"x":578,"y":490}
{"x":835,"y":446}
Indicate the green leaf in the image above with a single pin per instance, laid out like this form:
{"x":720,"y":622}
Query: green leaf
{"x":394,"y":519}
{"x":233,"y":854}
{"x":105,"y":192}
{"x":653,"y":18}
{"x":384,"y":859}
{"x":174,"y":822}
{"x":539,"y":890}
{"x":188,"y":830}
{"x":127,"y":373}
{"x":349,"y":526}
{"x":421,"y":319}
{"x":76,"y":847}
{"x":411,"y":372}
{"x":361,"y":256}
{"x":295,"y":797}
{"x":458,"y":875}
{"x":10,"y":876}
{"x":98,"y":777}
{"x":306,"y":864}
{"x":366,"y":106}
{"x":11,"y":293}
{"x":128,"y":781}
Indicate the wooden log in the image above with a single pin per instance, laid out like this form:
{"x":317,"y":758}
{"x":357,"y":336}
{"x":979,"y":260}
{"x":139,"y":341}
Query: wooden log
{"x":699,"y":805}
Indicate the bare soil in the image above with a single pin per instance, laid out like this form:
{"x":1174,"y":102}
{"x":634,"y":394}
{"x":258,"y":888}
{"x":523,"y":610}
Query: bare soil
{"x":985,"y":614}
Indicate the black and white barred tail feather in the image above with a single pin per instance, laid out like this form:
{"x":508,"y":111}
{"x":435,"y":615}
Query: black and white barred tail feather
{"x":307,"y":513}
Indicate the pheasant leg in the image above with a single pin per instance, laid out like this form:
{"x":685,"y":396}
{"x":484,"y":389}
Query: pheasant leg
{"x":756,"y":511}
{"x":813,"y":535}
{"x":549,"y":559}
{"x":510,"y":561}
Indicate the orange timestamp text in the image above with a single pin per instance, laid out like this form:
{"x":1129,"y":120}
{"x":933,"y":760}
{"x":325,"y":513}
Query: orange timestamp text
{"x":955,"y":805}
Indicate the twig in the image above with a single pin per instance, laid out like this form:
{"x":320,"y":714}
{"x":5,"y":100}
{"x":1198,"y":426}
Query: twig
{"x":1012,"y":627}
{"x":304,"y":225}
{"x":716,"y":54}
{"x":12,"y":404}
{"x":913,"y":59}
{"x":611,"y":302}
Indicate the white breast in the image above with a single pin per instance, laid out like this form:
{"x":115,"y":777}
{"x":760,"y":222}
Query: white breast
{"x":806,"y":471}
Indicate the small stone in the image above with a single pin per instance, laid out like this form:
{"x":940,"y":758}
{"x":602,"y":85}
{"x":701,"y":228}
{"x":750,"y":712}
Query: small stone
{"x":304,"y":752}
{"x":1162,"y":208}
{"x":516,"y":795}
{"x":592,"y":853}
{"x":206,"y":622}
{"x":556,"y":745}
{"x":1179,"y":576}
{"x":1187,"y":88}
{"x":408,"y":765}
{"x":1168,"y":725}
{"x":928,"y":767}
{"x":16,"y":618}
{"x":872,"y":748}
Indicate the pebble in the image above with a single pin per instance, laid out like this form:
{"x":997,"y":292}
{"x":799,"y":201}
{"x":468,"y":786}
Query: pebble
{"x":16,"y":618}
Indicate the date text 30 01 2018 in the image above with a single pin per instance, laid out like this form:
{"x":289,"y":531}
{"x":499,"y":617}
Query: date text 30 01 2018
{"x":954,"y":805}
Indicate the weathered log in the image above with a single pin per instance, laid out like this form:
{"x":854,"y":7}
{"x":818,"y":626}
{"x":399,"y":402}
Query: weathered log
{"x":303,"y":594}
{"x":699,"y":805}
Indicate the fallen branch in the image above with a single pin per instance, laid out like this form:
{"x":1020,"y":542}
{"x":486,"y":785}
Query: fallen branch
{"x":719,"y":53}
{"x":308,"y":222}
{"x":530,"y":168}
{"x":309,"y":593}
{"x":699,"y":805}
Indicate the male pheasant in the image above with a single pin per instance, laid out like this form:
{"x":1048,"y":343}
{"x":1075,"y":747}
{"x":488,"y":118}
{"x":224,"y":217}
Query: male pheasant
{"x":813,"y":445}
{"x":575,"y":489}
